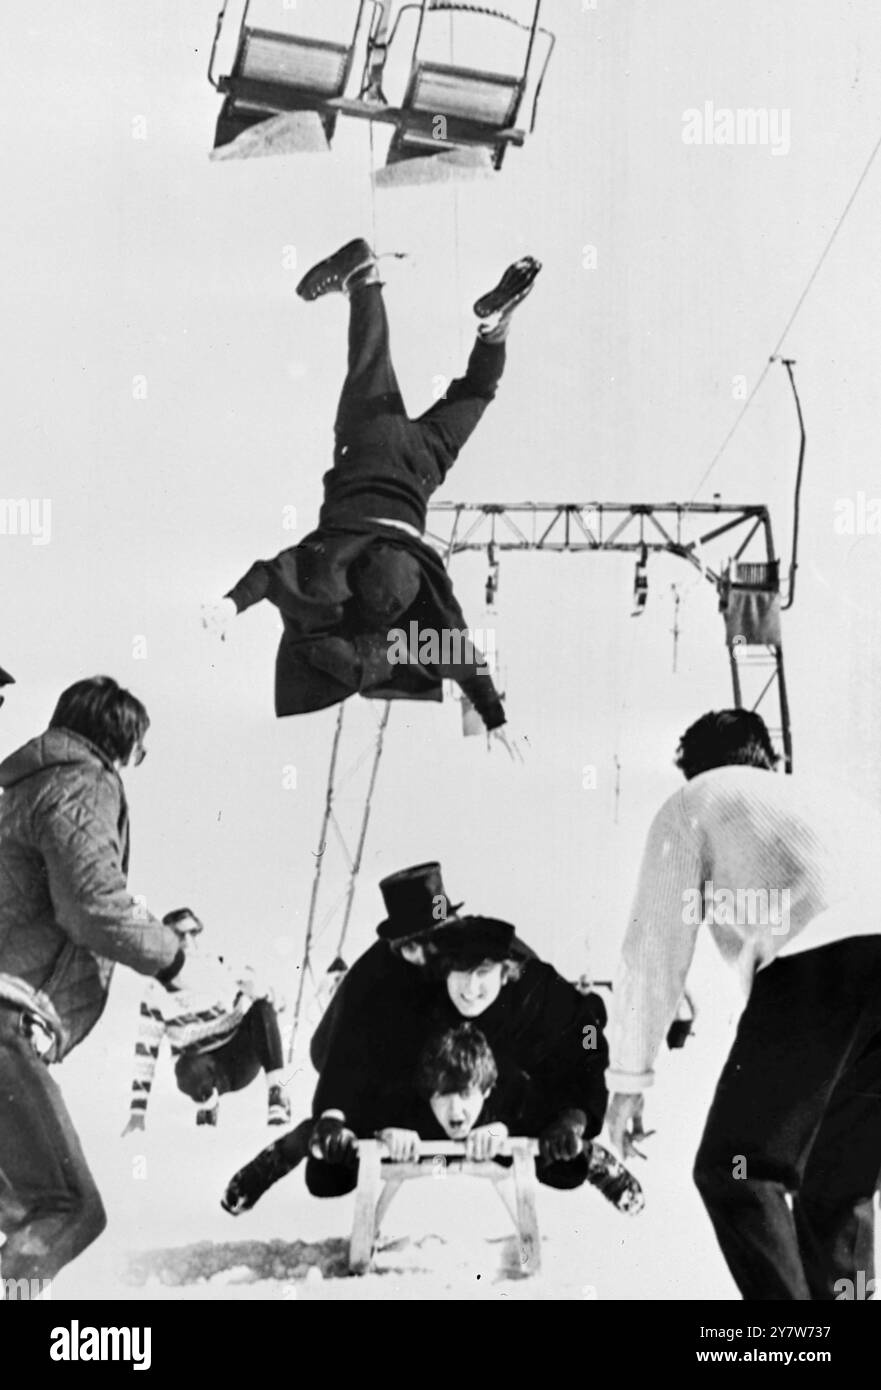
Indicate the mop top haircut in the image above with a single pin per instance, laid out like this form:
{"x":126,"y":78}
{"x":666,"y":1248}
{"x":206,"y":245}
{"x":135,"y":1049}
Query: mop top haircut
{"x":456,"y":1062}
{"x":725,"y":738}
{"x":442,"y":964}
{"x":108,"y":716}
{"x":182,"y":914}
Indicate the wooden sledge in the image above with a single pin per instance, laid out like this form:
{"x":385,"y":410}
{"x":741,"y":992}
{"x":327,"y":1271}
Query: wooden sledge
{"x":379,"y":1181}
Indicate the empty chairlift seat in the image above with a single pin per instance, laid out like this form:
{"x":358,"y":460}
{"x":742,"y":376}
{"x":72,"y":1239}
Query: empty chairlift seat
{"x":749,"y":597}
{"x":276,"y":74}
{"x":447,"y":105}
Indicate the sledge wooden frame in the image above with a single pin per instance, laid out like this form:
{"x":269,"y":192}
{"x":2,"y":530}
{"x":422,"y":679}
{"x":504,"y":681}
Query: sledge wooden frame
{"x":379,"y":1181}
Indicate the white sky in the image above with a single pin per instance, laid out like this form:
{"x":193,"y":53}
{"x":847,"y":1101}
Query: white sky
{"x":129,"y":257}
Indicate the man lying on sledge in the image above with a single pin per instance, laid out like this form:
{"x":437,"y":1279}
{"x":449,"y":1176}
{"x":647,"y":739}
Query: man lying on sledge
{"x":476,"y":967}
{"x":459,"y":1093}
{"x":367,"y":569}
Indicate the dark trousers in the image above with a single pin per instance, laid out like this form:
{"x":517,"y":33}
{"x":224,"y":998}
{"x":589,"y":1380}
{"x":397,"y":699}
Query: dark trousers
{"x":50,"y":1208}
{"x":336,"y":1179}
{"x":798,"y":1111}
{"x":371,"y":417}
{"x":255,"y":1046}
{"x":274,"y":1162}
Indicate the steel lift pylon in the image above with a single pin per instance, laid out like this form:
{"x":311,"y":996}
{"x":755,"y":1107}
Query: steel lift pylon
{"x":730,"y":544}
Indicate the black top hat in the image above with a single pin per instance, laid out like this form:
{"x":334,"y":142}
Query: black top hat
{"x":468,"y":941}
{"x":416,"y":902}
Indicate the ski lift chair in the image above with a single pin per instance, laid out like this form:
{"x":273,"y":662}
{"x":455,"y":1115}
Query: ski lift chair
{"x":275,"y":73}
{"x":447,"y":106}
{"x":749,"y":598}
{"x":379,"y":1180}
{"x":640,"y":583}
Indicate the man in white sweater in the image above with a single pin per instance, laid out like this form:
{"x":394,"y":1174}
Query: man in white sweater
{"x":786,"y":874}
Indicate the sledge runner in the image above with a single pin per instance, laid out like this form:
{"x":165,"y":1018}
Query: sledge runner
{"x":366,"y":573}
{"x":222,"y":1035}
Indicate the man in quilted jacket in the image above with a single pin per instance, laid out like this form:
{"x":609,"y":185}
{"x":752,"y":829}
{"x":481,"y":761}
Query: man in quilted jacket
{"x":66,"y":918}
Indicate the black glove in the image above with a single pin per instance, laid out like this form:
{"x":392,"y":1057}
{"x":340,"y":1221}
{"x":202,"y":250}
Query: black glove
{"x":333,"y":1141}
{"x":562,"y":1139}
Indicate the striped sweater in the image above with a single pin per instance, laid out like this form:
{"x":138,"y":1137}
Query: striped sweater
{"x":192,"y":1020}
{"x":771,"y":865}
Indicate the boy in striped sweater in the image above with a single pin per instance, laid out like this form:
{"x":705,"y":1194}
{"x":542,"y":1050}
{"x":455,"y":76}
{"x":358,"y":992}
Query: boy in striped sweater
{"x":222,"y":1034}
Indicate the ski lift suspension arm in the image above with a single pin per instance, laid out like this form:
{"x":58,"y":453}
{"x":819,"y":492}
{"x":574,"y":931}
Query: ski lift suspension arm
{"x":217,"y":30}
{"x":378,"y":41}
{"x":789,"y":363}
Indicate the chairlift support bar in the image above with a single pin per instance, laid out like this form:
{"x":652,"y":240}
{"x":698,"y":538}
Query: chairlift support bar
{"x":350,"y":841}
{"x":668,"y":520}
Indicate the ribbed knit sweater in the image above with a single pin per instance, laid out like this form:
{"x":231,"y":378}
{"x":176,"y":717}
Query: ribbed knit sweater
{"x":192,"y":1020}
{"x":772,"y":865}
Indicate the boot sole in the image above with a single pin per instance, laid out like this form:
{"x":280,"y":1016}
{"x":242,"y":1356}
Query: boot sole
{"x":516,"y":282}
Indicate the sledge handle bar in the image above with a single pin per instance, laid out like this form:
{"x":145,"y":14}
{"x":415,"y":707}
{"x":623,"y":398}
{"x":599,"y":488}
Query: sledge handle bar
{"x":455,"y":1148}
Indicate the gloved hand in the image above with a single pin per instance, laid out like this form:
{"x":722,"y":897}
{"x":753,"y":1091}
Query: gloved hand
{"x":562,"y":1139}
{"x":333,"y":1141}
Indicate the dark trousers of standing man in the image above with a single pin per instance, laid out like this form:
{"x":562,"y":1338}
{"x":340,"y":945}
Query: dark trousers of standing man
{"x":50,"y":1208}
{"x":791,"y":1153}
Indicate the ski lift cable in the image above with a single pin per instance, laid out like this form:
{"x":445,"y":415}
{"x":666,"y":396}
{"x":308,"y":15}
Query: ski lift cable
{"x":622,"y":709}
{"x":792,"y":317}
{"x":313,"y":902}
{"x":373,"y":182}
{"x":365,"y":821}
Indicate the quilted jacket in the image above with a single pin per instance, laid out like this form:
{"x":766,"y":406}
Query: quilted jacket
{"x":66,"y":916}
